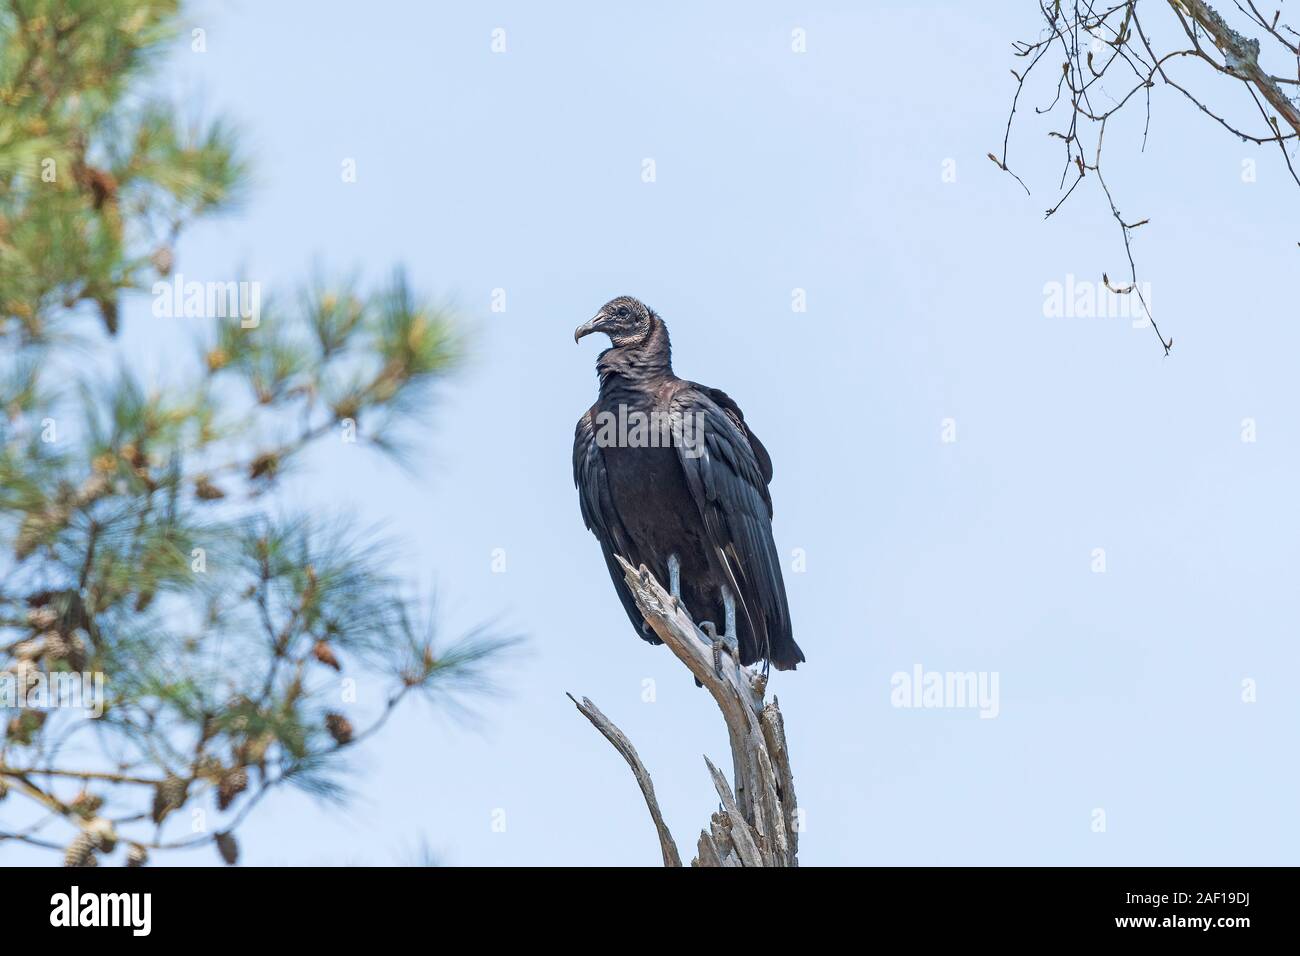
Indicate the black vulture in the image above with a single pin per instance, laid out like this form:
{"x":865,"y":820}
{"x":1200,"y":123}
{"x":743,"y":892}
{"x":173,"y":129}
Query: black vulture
{"x":669,"y":476}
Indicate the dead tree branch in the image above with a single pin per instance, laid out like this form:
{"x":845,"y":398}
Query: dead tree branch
{"x":1241,"y":57}
{"x":758,"y":822}
{"x":624,"y":746}
{"x":1110,"y":42}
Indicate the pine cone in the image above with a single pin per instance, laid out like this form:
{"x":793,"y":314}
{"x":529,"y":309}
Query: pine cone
{"x":23,"y":727}
{"x":168,"y":795}
{"x":253,"y":750}
{"x":26,"y":675}
{"x":340,"y":728}
{"x":205,"y":490}
{"x":86,"y":804}
{"x":233,"y":783}
{"x":75,"y":650}
{"x":325,"y":654}
{"x":102,"y":833}
{"x":101,"y":183}
{"x":56,"y":648}
{"x":163,"y":259}
{"x":228,"y":848}
{"x":108,"y":313}
{"x":33,"y":528}
{"x":42,"y":618}
{"x":93,"y":488}
{"x":81,"y":851}
{"x":136,"y":855}
{"x":134,"y":455}
{"x":264,"y":465}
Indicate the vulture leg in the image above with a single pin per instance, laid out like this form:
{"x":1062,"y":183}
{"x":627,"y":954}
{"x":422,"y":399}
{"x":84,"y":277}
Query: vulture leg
{"x":729,"y":608}
{"x":675,"y":578}
{"x":728,"y":640}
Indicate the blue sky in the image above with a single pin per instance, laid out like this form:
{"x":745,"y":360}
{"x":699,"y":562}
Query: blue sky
{"x":821,"y":171}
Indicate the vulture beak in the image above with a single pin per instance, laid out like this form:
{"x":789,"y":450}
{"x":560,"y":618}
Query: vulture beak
{"x":587,"y":328}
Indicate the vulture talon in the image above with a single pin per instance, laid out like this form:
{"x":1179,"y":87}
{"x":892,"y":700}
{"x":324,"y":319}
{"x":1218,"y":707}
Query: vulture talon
{"x":711,"y":629}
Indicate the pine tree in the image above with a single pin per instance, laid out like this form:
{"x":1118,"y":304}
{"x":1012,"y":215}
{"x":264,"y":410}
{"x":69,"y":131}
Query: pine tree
{"x":145,"y":534}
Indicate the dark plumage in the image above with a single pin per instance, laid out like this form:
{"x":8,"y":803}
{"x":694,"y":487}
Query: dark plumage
{"x":694,"y":488}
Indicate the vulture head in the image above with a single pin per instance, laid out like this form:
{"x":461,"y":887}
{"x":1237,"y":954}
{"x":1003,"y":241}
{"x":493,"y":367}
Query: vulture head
{"x":625,"y":320}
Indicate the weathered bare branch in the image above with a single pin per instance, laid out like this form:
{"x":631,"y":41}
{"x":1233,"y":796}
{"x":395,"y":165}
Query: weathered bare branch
{"x":758,"y":823}
{"x":1242,"y":57}
{"x":624,"y":746}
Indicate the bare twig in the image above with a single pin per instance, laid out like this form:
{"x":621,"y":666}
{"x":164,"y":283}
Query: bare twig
{"x":1080,"y":30}
{"x":624,"y":746}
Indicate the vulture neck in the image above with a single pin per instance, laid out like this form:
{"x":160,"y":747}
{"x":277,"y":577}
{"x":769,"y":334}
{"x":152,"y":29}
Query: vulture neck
{"x":628,"y":367}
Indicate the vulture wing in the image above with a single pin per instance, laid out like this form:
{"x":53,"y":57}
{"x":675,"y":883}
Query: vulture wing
{"x":727,"y":470}
{"x":602,"y":518}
